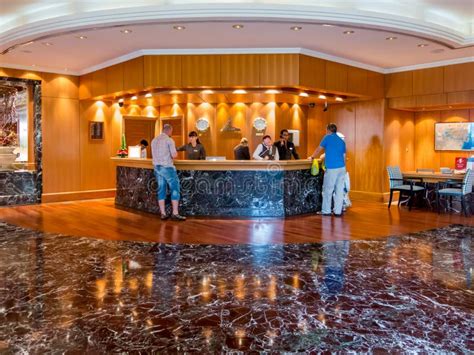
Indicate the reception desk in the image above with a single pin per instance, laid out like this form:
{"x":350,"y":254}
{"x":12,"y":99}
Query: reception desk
{"x":226,"y":188}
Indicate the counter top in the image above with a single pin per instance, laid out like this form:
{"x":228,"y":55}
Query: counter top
{"x":219,"y":165}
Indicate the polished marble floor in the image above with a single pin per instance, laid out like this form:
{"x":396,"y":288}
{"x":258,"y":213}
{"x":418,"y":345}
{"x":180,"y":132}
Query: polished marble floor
{"x":410,"y":293}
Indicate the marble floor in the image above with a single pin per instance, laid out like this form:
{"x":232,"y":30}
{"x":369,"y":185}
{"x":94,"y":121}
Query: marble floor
{"x":410,"y":293}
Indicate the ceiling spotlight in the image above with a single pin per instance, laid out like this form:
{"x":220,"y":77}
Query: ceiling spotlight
{"x":327,"y":25}
{"x":339,"y":99}
{"x":422,"y":45}
{"x":81,"y":37}
{"x":207,"y":92}
{"x":239,"y":91}
{"x":133,"y":98}
{"x":304,"y":94}
{"x":238,"y":27}
{"x":126,"y":31}
{"x":176,"y":92}
{"x":391,"y":38}
{"x":322,"y":97}
{"x":296,"y":28}
{"x":148,"y":95}
{"x":273,"y":91}
{"x":348,"y":32}
{"x":179,"y":28}
{"x":47,"y":44}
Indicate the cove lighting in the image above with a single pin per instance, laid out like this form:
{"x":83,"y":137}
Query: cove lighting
{"x":339,"y":99}
{"x":304,"y":94}
{"x":239,"y":91}
{"x":148,"y":95}
{"x":322,"y":97}
{"x":273,"y":91}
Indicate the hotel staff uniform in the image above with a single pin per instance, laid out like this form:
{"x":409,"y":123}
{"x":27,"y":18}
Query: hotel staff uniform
{"x":193,"y":153}
{"x":262,"y":151}
{"x":241,"y":152}
{"x":286,"y":150}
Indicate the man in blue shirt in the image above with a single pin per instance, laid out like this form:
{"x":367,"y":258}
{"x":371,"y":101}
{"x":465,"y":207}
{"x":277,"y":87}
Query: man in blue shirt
{"x":335,"y":149}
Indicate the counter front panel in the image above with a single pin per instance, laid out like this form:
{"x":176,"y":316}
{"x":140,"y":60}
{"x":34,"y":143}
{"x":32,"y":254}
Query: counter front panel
{"x":240,"y":190}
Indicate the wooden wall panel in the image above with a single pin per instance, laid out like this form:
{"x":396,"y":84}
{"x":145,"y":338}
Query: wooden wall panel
{"x":240,"y":70}
{"x":357,"y":81}
{"x":312,"y":72}
{"x":201,"y":70}
{"x":459,"y":77}
{"x":462,"y":97}
{"x":316,"y":126}
{"x":60,"y":86}
{"x":23,"y":74}
{"x":336,"y":77}
{"x":85,"y":86}
{"x":61,"y":153}
{"x":291,"y":116}
{"x":430,"y":100}
{"x":425,"y":154}
{"x":133,"y":73}
{"x":279,"y":69}
{"x":226,"y":141}
{"x":369,"y":152}
{"x":375,"y":85}
{"x":99,"y":83}
{"x":428,"y":81}
{"x":97,"y":170}
{"x":162,"y":71}
{"x":399,"y":84}
{"x":114,"y":76}
{"x":399,"y":140}
{"x":209,"y":137}
{"x":402,"y":102}
{"x":344,"y":117}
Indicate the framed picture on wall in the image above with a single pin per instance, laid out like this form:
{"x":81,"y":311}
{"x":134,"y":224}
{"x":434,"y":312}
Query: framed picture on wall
{"x":454,"y":136}
{"x":96,"y":130}
{"x":294,"y":137}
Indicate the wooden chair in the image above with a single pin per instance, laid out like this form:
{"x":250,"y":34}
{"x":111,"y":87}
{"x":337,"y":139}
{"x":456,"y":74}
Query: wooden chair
{"x":454,"y":190}
{"x":403,"y":186}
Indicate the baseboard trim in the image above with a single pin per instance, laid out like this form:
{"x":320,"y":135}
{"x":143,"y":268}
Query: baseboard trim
{"x":77,"y":195}
{"x":370,"y":196}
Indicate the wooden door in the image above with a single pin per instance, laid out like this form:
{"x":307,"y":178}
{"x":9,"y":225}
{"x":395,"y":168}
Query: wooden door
{"x":137,"y":129}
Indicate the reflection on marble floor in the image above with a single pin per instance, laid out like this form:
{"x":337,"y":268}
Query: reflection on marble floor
{"x":409,"y":293}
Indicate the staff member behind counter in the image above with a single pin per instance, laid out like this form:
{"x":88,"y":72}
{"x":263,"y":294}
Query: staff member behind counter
{"x":286,"y":149}
{"x":194,"y":149}
{"x":266,"y":151}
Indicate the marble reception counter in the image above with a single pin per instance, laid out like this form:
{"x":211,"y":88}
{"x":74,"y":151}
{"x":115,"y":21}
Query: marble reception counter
{"x":226,"y":188}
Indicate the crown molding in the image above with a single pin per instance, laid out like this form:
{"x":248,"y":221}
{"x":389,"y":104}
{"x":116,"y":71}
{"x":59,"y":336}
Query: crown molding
{"x":39,"y":69}
{"x":429,"y":65}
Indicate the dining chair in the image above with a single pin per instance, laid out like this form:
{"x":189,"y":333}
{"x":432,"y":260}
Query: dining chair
{"x":403,"y":186}
{"x":462,"y":191}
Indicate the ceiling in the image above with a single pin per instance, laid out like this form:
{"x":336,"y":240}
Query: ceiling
{"x":446,"y":28}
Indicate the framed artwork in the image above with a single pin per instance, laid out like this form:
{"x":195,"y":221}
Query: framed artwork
{"x":294,"y":136}
{"x":96,"y":130}
{"x":454,"y":136}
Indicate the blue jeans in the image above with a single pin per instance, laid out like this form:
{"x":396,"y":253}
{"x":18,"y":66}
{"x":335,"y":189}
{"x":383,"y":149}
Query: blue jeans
{"x":166,"y":175}
{"x":333,"y":183}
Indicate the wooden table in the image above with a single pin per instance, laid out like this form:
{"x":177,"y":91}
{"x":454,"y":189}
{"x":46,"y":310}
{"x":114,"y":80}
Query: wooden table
{"x":432,"y":177}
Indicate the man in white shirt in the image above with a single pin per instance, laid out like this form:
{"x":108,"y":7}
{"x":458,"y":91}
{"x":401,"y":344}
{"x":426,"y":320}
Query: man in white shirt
{"x":163,"y":151}
{"x":266,"y":151}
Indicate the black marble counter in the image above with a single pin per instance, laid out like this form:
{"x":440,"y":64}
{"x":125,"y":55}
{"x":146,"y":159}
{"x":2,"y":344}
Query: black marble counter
{"x":273,"y":192}
{"x":409,"y":294}
{"x":18,"y":187}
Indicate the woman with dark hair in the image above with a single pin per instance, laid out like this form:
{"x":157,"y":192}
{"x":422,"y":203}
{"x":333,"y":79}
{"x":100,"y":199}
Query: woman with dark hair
{"x":194,"y":149}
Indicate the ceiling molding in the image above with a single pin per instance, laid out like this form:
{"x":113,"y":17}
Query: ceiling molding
{"x":211,"y":51}
{"x":266,"y":12}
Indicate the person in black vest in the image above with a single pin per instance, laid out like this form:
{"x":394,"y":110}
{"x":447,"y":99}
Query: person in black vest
{"x":266,"y":151}
{"x":286,"y":149}
{"x":241,"y":152}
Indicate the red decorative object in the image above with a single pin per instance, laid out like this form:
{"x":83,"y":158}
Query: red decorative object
{"x":460,"y":163}
{"x":122,"y":153}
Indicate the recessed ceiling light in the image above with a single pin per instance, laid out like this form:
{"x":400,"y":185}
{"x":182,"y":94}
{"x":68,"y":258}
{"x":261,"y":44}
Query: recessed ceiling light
{"x":47,"y":44}
{"x":238,"y":27}
{"x":82,"y":37}
{"x":439,"y":50}
{"x":239,"y":91}
{"x":322,"y":97}
{"x":179,"y":28}
{"x":340,"y":99}
{"x":304,"y":94}
{"x":176,"y":92}
{"x":26,"y":51}
{"x":126,"y":31}
{"x":296,"y":28}
{"x":148,"y":95}
{"x":207,"y":92}
{"x":348,"y":32}
{"x":422,"y":45}
{"x":391,"y":38}
{"x":273,"y":91}
{"x":120,"y":100}
{"x":327,"y":25}
{"x":133,"y":98}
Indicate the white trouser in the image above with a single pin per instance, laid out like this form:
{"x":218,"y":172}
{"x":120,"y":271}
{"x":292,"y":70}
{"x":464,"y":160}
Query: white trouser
{"x":333,"y":183}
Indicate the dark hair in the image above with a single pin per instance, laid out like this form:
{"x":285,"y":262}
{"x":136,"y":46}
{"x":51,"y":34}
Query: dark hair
{"x":194,"y":134}
{"x":144,"y":142}
{"x":332,"y":127}
{"x":265,"y":137}
{"x":283,"y":131}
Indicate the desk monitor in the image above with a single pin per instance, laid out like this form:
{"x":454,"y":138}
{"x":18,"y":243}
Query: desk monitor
{"x":215,"y":158}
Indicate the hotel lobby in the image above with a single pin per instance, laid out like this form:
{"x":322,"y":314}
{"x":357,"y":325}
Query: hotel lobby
{"x":89,"y":264}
